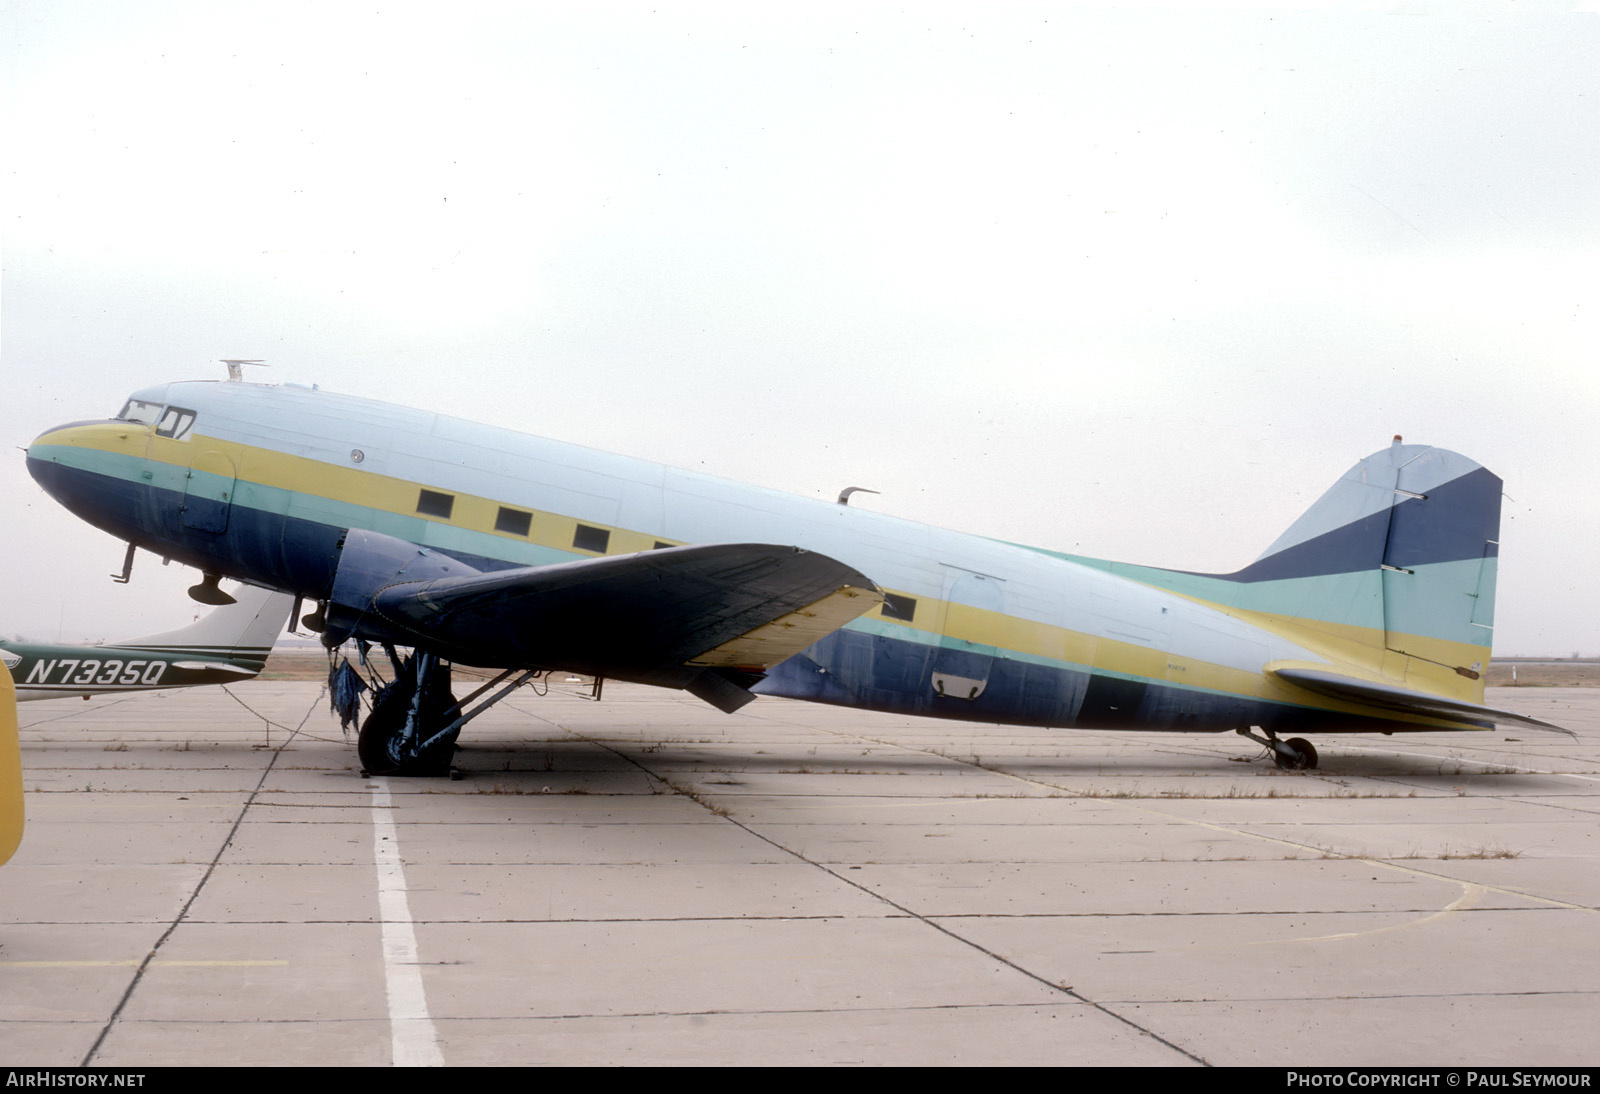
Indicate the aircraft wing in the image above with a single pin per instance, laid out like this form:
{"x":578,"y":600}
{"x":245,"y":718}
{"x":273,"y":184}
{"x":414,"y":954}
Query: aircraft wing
{"x":1338,"y":685}
{"x":680,"y":616}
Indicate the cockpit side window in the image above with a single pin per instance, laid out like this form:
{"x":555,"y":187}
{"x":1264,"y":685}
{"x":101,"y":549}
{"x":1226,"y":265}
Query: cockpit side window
{"x":137,"y":410}
{"x":170,"y":421}
{"x":175,"y":423}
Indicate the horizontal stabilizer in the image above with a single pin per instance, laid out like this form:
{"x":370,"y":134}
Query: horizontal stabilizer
{"x":1358,"y":689}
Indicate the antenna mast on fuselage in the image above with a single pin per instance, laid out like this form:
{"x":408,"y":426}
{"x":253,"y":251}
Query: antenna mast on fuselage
{"x":236,"y":367}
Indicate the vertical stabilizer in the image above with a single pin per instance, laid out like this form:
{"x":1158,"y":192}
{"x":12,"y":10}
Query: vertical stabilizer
{"x":1392,"y":571}
{"x":242,"y":632}
{"x":1400,"y":555}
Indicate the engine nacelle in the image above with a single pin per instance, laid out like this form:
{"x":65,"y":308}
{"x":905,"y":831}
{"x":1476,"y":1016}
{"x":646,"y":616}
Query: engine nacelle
{"x":369,"y":564}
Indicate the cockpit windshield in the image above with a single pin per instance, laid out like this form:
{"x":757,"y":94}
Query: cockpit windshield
{"x":137,"y":410}
{"x":170,"y":421}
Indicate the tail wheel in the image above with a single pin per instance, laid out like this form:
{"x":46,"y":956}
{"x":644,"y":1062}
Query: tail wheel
{"x":1295,"y":754}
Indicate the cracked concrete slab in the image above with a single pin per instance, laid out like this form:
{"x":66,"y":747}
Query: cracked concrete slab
{"x":207,"y":877}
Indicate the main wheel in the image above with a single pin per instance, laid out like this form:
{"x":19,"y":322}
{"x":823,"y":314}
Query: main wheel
{"x":378,"y":744}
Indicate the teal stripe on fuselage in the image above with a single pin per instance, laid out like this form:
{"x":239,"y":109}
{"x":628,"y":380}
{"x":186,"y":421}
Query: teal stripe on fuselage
{"x":133,"y":469}
{"x":451,"y":538}
{"x":1437,"y":604}
{"x":312,"y":507}
{"x":881,"y":628}
{"x":1437,"y":607}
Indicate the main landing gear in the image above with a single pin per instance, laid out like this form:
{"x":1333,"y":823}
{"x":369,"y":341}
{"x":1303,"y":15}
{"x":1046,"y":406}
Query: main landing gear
{"x":1295,"y":754}
{"x":415,"y":720}
{"x":412,"y":729}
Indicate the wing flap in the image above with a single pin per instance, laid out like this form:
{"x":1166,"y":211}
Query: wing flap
{"x":787,"y":635}
{"x":1378,"y":693}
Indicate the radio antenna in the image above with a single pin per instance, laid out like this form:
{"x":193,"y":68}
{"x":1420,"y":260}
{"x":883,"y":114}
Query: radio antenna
{"x":236,"y":367}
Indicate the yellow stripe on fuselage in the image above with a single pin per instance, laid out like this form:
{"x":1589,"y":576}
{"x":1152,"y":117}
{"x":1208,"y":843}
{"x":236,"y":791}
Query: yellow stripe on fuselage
{"x":303,"y":477}
{"x":1428,"y":664}
{"x":1030,"y":638}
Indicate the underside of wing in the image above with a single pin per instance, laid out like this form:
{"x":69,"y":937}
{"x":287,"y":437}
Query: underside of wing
{"x":1334,"y":684}
{"x":704,"y":617}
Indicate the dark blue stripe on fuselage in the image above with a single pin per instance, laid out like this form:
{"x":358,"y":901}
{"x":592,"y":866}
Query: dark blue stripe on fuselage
{"x":269,"y":549}
{"x":871,"y":671}
{"x":263,"y":548}
{"x":879,"y":672}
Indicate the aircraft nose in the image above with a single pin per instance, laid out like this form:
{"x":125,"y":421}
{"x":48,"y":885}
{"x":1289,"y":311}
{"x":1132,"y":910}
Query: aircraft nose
{"x":42,"y":451}
{"x":43,"y":460}
{"x":60,"y":457}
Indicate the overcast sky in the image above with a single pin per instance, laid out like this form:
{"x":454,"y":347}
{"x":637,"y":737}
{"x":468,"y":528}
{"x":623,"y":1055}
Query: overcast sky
{"x":1133,"y":283}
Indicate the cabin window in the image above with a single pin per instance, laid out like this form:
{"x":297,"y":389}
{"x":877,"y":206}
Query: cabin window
{"x":899,"y":607}
{"x":175,"y":423}
{"x":433,"y":504}
{"x":514,"y":521}
{"x":591,"y":539}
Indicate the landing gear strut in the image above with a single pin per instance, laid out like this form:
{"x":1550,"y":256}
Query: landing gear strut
{"x":1295,"y":754}
{"x":414,"y":722}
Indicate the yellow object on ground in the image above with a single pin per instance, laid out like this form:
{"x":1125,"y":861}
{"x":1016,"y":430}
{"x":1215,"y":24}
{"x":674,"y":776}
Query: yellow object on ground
{"x":10,"y":769}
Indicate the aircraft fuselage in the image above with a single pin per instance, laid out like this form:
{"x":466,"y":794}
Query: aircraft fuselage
{"x":259,"y":483}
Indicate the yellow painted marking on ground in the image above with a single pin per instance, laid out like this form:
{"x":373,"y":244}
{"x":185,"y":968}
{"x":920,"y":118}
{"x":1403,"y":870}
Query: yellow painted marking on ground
{"x":1386,"y":864}
{"x":1470,"y":895}
{"x":1320,"y":852}
{"x":135,"y":962}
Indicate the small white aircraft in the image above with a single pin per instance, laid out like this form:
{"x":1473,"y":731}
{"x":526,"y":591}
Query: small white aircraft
{"x":227,"y":644}
{"x":482,"y":546}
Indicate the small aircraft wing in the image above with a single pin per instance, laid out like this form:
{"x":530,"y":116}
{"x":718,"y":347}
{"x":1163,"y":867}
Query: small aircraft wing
{"x":1338,"y":685}
{"x":678,"y":617}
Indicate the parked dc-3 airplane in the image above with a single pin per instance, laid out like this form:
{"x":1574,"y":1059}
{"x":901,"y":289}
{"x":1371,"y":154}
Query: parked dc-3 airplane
{"x":227,"y":644}
{"x":481,"y":546}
